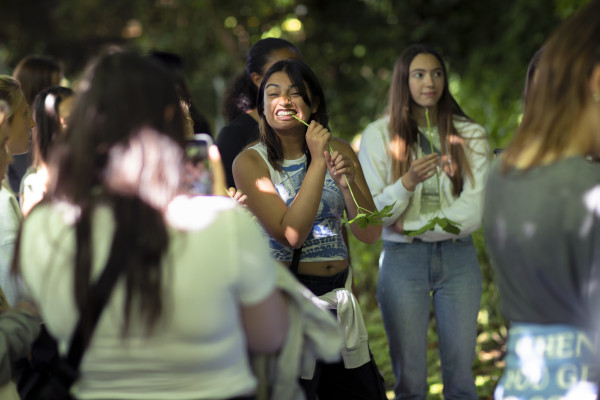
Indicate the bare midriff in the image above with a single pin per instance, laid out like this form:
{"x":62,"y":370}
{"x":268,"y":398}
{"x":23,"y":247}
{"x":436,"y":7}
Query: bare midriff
{"x":321,"y":268}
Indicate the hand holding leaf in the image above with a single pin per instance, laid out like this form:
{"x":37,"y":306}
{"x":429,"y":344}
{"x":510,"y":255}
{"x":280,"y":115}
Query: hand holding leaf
{"x":363,"y":217}
{"x":444,"y":223}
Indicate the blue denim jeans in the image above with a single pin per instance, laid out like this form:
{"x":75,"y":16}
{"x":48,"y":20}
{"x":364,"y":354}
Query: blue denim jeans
{"x":410,"y":275}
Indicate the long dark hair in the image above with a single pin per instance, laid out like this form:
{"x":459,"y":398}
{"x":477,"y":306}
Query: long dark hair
{"x":306,"y":81}
{"x":47,"y":121}
{"x":122,"y":148}
{"x":404,"y":130}
{"x":240,"y":95}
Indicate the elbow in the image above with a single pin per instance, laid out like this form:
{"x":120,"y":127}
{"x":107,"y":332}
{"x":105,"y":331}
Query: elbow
{"x":292,"y":238}
{"x":267,"y":324}
{"x":368,"y":235}
{"x":372,"y":238}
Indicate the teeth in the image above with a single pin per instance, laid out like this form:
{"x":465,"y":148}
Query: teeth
{"x":286,"y":113}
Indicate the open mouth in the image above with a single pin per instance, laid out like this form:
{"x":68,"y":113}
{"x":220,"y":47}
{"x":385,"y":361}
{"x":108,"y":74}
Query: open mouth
{"x":285,"y":113}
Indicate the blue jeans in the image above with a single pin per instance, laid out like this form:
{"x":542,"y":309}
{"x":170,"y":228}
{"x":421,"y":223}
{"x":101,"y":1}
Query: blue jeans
{"x":409,"y":273}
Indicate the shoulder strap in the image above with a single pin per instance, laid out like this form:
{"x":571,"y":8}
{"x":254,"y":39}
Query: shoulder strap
{"x":97,"y":299}
{"x":296,"y":261}
{"x":298,"y":252}
{"x":425,"y":145}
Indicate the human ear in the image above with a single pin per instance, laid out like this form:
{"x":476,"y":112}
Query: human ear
{"x":315,"y":105}
{"x":256,"y":78}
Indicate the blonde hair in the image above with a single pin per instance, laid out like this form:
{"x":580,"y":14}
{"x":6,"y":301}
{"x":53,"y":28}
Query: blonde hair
{"x":561,"y":89}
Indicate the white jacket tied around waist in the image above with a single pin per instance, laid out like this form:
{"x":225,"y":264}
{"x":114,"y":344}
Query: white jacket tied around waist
{"x":313,"y":335}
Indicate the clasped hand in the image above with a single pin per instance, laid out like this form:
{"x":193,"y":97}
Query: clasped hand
{"x":420,"y":169}
{"x":340,"y":167}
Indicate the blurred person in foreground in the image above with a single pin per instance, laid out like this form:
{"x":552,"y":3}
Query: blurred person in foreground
{"x":197,"y":286}
{"x":542,"y":223}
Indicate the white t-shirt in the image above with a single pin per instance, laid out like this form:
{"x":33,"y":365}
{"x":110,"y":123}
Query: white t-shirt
{"x":217,"y":260}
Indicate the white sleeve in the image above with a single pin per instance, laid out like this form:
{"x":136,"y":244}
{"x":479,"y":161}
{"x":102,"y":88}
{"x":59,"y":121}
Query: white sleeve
{"x":256,"y":266}
{"x":374,"y":160}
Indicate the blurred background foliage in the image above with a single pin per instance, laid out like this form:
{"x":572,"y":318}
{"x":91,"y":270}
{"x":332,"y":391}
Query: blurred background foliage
{"x":352,"y":46}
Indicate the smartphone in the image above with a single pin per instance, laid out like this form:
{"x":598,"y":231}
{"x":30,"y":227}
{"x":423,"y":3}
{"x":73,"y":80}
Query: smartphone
{"x":198,"y":175}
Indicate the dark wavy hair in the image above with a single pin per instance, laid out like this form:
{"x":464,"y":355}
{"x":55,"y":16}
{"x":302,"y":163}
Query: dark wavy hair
{"x":240,"y":95}
{"x":123,"y":148}
{"x":47,"y":121}
{"x":306,"y":81}
{"x":404,"y":130}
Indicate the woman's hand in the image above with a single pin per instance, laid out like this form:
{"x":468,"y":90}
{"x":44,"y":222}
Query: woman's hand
{"x":420,"y":169}
{"x":341,"y":168}
{"x":237,"y":195}
{"x":317,"y":139}
{"x":398,"y":226}
{"x":217,"y":170}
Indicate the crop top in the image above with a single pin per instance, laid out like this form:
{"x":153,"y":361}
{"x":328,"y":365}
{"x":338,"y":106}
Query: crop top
{"x":325,"y":241}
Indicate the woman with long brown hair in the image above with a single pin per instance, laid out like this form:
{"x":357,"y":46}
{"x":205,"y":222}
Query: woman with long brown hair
{"x":196,"y":288}
{"x":542,"y":223}
{"x":299,"y":180}
{"x":430,"y":160}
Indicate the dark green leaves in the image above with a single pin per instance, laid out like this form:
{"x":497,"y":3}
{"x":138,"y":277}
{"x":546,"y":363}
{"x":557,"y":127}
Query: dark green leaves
{"x":444,"y":223}
{"x":365,"y":217}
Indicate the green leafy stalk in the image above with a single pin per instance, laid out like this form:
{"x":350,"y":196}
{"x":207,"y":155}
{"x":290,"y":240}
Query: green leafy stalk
{"x":444,"y":223}
{"x":363,"y":217}
{"x":437,"y":174}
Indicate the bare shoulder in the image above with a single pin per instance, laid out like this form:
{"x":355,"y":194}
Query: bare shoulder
{"x":248,"y":158}
{"x":249,"y":163}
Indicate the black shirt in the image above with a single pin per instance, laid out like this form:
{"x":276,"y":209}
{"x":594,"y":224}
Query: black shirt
{"x":232,"y":139}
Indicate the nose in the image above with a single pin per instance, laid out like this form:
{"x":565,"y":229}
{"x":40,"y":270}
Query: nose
{"x":31,"y":122}
{"x":428,"y":80}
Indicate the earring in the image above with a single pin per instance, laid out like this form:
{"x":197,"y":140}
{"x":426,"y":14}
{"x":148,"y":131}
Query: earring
{"x":596,"y":97}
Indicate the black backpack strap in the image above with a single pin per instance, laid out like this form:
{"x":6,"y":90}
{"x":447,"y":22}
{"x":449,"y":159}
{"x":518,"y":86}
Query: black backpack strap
{"x":68,"y":369}
{"x":296,"y":261}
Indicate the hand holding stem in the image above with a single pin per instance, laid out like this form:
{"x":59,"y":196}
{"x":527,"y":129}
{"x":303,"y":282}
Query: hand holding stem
{"x":342,"y":172}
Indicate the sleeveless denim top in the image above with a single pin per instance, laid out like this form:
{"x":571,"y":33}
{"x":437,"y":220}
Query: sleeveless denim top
{"x":325,"y":242}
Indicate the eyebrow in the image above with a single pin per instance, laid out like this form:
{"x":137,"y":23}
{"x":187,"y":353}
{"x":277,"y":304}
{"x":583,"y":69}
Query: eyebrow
{"x":277,"y":86}
{"x":424,"y":70}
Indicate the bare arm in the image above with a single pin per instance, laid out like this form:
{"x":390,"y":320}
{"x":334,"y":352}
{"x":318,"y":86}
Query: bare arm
{"x":342,"y":162}
{"x":291,"y":225}
{"x":266,"y":323}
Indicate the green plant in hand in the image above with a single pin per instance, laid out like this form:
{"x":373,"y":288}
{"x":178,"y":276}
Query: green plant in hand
{"x":443,"y":222}
{"x":363,"y":217}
